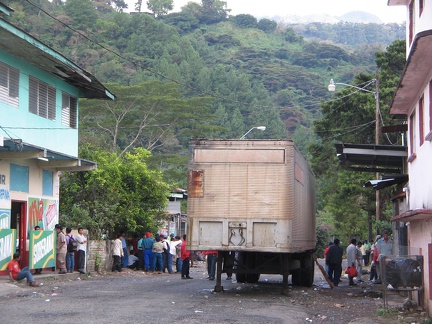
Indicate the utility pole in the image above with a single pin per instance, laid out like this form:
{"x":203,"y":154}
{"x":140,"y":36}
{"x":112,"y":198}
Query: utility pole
{"x":377,"y":134}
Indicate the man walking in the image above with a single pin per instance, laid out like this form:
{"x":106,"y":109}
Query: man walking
{"x":384,"y":247}
{"x":334,"y":261}
{"x":352,"y":258}
{"x":185,"y":255}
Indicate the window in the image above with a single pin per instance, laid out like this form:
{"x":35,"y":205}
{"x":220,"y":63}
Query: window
{"x":411,"y":23}
{"x":421,"y":6}
{"x":19,"y":177}
{"x":9,"y":85}
{"x":429,"y":135}
{"x":47,"y":183}
{"x":421,"y":121}
{"x":412,"y":137}
{"x":69,"y":110}
{"x":42,"y":99}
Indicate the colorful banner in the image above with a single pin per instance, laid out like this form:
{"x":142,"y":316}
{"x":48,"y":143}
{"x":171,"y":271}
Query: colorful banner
{"x":42,"y":212}
{"x":42,"y":249}
{"x":7,"y":246}
{"x":5,"y":218}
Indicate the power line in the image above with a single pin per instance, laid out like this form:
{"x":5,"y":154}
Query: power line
{"x":142,"y":66}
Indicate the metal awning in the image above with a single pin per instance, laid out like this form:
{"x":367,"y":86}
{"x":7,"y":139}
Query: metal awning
{"x":387,"y":181}
{"x":16,"y":149}
{"x":372,"y":158}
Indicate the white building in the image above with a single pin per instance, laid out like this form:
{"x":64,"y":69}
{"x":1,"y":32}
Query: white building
{"x":413,"y":99}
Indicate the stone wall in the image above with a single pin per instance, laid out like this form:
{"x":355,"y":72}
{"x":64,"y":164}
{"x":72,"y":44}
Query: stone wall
{"x":98,"y":255}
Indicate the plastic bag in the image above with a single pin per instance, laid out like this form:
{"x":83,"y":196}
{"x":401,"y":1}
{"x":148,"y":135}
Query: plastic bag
{"x":351,"y":271}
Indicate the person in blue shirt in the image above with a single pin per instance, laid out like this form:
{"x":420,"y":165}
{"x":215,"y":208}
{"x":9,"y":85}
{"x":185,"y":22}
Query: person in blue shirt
{"x":147,"y":245}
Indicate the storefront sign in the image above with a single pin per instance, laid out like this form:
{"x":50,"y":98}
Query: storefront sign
{"x":7,"y":246}
{"x":42,"y":250}
{"x":43,"y":213}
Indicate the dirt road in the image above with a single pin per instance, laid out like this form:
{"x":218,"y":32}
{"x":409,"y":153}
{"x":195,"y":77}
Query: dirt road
{"x":138,"y":297}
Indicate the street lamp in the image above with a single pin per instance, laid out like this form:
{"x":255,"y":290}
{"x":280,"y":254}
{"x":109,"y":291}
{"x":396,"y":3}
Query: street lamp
{"x":261,"y":128}
{"x":332,"y":87}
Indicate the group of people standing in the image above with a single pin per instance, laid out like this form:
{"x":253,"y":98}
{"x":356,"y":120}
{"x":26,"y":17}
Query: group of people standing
{"x":65,"y":258}
{"x":358,"y":254}
{"x":152,"y":254}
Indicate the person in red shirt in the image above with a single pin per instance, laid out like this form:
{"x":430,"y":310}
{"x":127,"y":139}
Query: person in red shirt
{"x":15,"y":272}
{"x":185,"y":256}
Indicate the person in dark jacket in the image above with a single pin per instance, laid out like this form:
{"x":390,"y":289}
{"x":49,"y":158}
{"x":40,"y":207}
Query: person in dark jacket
{"x":334,"y":262}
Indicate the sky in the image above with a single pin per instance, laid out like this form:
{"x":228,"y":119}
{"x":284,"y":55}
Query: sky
{"x":269,"y":8}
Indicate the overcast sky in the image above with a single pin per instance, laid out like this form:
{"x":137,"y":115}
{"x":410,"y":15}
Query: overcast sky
{"x":259,"y":8}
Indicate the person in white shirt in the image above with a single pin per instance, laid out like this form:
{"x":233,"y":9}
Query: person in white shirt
{"x":117,"y":251}
{"x":133,"y":260}
{"x":175,"y":247}
{"x":82,"y":248}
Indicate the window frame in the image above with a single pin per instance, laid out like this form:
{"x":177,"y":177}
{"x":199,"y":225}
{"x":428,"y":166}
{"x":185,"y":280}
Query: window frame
{"x":42,"y":99}
{"x":69,"y":116}
{"x":9,"y":85}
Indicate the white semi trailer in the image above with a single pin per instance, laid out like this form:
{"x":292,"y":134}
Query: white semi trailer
{"x":254,"y":202}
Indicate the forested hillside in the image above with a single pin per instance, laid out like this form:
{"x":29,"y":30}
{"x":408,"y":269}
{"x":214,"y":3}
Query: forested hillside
{"x":255,"y":72}
{"x":202,"y":73}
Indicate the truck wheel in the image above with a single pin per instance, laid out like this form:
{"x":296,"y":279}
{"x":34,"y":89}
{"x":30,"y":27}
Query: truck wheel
{"x":305,"y":275}
{"x":241,"y":277}
{"x":252,"y":277}
{"x":308,"y":271}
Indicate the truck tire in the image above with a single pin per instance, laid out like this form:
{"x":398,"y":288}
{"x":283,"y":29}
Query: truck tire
{"x":305,"y":275}
{"x":252,"y":277}
{"x":241,"y":277}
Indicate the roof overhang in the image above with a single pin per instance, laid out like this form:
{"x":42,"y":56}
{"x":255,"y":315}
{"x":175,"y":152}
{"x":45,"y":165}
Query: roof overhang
{"x":417,"y":214}
{"x":24,"y":46}
{"x":15,"y":149}
{"x":372,"y":158}
{"x":414,"y":74}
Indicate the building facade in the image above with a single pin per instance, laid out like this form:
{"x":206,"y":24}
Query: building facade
{"x":413,"y":101}
{"x":39,"y":92}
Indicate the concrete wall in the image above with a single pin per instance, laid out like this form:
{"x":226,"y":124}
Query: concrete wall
{"x":419,"y":236}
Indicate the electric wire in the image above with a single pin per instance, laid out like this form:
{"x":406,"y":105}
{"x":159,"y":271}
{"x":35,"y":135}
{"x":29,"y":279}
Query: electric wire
{"x":142,"y":66}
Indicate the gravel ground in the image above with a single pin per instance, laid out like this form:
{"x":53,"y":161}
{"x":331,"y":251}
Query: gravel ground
{"x":138,"y":297}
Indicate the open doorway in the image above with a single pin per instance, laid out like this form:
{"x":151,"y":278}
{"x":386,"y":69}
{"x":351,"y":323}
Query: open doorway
{"x":19,"y":222}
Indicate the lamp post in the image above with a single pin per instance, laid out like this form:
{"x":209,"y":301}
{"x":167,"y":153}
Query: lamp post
{"x":332,"y":87}
{"x":261,"y":128}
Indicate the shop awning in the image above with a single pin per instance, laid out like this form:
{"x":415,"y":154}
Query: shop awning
{"x":16,"y":149}
{"x":372,"y":158}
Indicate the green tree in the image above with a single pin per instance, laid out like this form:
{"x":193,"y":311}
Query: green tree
{"x":267,"y":25}
{"x":245,"y":21}
{"x":82,"y":12}
{"x":149,"y":115}
{"x":160,"y":7}
{"x":121,"y":193}
{"x":214,"y":11}
{"x":350,"y":118}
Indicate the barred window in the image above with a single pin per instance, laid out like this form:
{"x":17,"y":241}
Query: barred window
{"x":9,"y":85}
{"x":69,"y":110}
{"x":42,"y":99}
